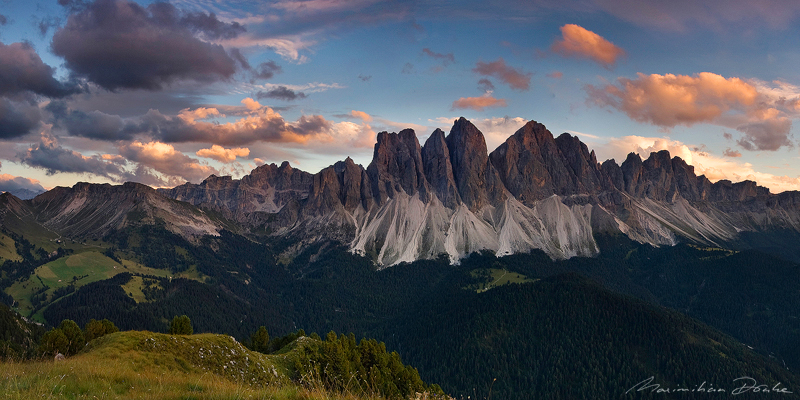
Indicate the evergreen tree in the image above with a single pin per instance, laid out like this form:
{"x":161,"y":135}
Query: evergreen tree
{"x":95,"y":329}
{"x":74,"y":336}
{"x":181,"y":325}
{"x":53,"y":342}
{"x":260,"y":340}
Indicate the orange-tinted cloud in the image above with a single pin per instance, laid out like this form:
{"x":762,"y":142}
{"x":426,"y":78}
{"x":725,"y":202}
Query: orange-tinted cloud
{"x":555,"y":75}
{"x":731,"y":153}
{"x":222,"y":154}
{"x":477,"y":103}
{"x":361,"y":115}
{"x":498,"y":69}
{"x":577,"y":41}
{"x":760,"y":112}
{"x":164,"y":158}
{"x":670,"y":100}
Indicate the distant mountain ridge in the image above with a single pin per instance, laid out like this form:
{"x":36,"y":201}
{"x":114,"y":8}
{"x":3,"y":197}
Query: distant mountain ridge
{"x":448,"y":196}
{"x":535,"y":191}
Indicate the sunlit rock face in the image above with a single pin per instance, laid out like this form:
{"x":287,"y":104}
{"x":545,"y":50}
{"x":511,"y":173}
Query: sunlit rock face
{"x":452,"y":197}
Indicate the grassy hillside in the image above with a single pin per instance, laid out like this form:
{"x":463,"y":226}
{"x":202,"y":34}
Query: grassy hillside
{"x":138,"y":364}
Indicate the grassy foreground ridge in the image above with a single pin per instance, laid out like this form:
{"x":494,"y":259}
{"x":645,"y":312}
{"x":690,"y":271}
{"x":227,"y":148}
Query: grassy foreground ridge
{"x":147,"y":365}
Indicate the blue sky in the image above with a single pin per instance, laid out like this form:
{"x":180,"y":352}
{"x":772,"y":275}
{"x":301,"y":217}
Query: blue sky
{"x":164,"y":93}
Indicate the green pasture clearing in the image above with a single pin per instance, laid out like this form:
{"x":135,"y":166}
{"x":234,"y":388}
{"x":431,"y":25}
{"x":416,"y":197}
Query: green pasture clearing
{"x":499,"y":277}
{"x":8,"y":251}
{"x":81,"y":269}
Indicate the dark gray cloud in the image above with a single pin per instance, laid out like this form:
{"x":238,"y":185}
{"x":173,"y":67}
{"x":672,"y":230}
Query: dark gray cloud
{"x":446,"y":59}
{"x":408,"y":68}
{"x":17,"y":118}
{"x":267,"y":70}
{"x":3,"y":20}
{"x":485,"y":85}
{"x":46,"y":23}
{"x":281,"y":93}
{"x":365,"y":78}
{"x":210,"y":27}
{"x":18,"y":184}
{"x":121,"y":45}
{"x":22,"y":70}
{"x":770,"y":134}
{"x":52,"y":158}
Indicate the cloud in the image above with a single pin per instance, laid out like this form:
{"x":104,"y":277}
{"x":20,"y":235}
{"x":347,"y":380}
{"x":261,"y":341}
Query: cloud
{"x":446,"y":59}
{"x":267,"y":70}
{"x":361,"y":115}
{"x":222,"y":154}
{"x":681,"y":15}
{"x":705,"y":163}
{"x":408,"y":68}
{"x":52,"y":158}
{"x":313,"y":87}
{"x":164,"y":158}
{"x":498,"y":69}
{"x":281,"y":93}
{"x":478,"y":103}
{"x":759,"y":111}
{"x":121,"y":45}
{"x":22,"y":70}
{"x":731,"y":153}
{"x":485,"y":85}
{"x":555,"y":75}
{"x":3,"y":20}
{"x":364,"y":78}
{"x":10,"y":183}
{"x":93,"y":125}
{"x":17,"y":118}
{"x":577,"y":41}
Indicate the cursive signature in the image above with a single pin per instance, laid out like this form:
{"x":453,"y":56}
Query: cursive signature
{"x":648,"y":385}
{"x":743,"y":385}
{"x":751,"y":385}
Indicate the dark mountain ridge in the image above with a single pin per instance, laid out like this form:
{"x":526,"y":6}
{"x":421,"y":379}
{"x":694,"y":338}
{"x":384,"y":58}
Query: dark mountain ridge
{"x":534,"y":191}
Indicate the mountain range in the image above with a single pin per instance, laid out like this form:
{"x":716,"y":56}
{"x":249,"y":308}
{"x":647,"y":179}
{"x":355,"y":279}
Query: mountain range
{"x":535,"y":191}
{"x":617,"y":245}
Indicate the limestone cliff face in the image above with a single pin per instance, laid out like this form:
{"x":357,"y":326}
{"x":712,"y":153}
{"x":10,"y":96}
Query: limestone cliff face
{"x":451,"y":196}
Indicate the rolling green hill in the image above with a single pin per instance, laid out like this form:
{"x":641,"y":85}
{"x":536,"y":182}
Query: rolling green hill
{"x":141,"y":364}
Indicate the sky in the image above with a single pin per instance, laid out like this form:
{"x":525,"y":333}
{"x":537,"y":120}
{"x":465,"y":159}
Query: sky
{"x":162,"y":93}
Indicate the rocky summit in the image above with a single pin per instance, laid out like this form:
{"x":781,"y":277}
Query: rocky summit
{"x":535,"y":191}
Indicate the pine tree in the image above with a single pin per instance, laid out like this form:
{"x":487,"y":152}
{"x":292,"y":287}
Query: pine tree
{"x":181,"y":325}
{"x":260,"y":340}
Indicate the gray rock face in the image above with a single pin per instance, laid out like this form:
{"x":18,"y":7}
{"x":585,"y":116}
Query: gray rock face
{"x":439,"y":170}
{"x":266,"y":189}
{"x":397,"y":166}
{"x":469,"y":160}
{"x":533,"y":191}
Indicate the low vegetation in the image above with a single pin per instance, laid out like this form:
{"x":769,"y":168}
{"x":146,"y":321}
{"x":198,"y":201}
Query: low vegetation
{"x":103,"y":363}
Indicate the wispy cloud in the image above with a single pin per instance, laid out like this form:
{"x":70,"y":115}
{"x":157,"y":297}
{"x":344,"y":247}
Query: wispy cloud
{"x":580,"y":42}
{"x":506,"y":74}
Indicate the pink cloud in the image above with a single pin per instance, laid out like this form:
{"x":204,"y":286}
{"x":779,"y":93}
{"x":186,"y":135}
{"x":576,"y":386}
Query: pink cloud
{"x":222,"y":154}
{"x":477,"y":103}
{"x":759,"y":111}
{"x":165,"y":159}
{"x":498,"y":69}
{"x":577,"y":41}
{"x":555,"y":75}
